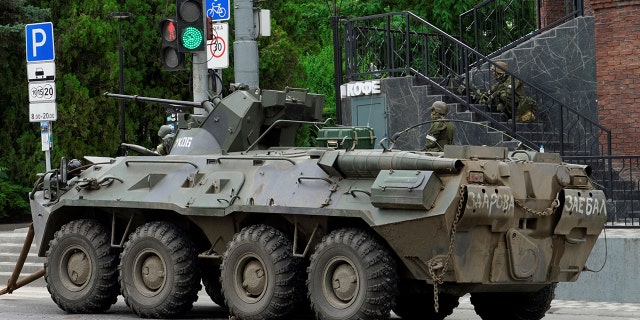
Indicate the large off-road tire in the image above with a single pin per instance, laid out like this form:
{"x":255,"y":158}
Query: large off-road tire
{"x":351,"y":276}
{"x":159,"y":275}
{"x":259,"y":274}
{"x":211,"y":280}
{"x":513,"y":305}
{"x":81,"y":269}
{"x":415,"y":301}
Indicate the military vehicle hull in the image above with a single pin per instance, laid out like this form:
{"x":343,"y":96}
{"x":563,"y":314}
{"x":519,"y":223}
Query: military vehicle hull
{"x":347,"y":234}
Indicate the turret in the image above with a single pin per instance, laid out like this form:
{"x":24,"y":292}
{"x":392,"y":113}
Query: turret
{"x":242,"y":121}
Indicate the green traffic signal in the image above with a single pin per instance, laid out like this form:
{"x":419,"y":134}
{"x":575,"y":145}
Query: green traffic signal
{"x":191,"y":25}
{"x":192,"y":38}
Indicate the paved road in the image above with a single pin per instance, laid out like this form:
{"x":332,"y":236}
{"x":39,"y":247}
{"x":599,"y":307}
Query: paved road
{"x":35,"y":303}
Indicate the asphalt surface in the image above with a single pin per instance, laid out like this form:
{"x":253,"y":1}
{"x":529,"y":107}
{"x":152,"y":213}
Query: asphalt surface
{"x":35,"y":303}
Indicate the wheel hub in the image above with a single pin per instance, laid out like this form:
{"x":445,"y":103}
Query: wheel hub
{"x":153,"y":272}
{"x":78,"y":268}
{"x":345,"y":282}
{"x":149,"y":272}
{"x":340,"y":282}
{"x":253,"y":278}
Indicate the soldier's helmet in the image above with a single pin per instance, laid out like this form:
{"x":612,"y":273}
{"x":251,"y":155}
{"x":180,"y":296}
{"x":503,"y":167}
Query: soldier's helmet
{"x":502,"y":67}
{"x":440,"y":107}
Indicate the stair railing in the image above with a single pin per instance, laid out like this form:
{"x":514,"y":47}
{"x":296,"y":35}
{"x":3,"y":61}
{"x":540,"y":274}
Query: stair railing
{"x":403,"y":44}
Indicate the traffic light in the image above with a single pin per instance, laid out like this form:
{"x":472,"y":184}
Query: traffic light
{"x":172,"y":58}
{"x":191,"y":26}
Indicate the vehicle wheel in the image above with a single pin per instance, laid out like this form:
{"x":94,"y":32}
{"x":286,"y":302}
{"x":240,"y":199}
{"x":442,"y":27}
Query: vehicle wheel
{"x":159,"y":276}
{"x":211,"y":280}
{"x":351,"y":276}
{"x":81,"y":269}
{"x":513,"y":305}
{"x":415,"y":301}
{"x":259,"y":274}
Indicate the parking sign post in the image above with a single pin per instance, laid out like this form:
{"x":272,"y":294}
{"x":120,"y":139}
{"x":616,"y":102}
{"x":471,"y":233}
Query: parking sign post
{"x":41,"y":75}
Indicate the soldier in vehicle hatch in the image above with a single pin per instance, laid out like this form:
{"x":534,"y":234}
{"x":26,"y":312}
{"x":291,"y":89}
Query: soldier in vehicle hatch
{"x":499,"y":97}
{"x":441,"y":132}
{"x":166,"y":134}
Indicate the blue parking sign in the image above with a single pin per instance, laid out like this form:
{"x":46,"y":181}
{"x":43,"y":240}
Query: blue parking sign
{"x":40,"y":42}
{"x":218,"y":10}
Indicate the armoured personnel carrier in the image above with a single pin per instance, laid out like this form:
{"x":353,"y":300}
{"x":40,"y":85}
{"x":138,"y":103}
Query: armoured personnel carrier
{"x":346,"y":233}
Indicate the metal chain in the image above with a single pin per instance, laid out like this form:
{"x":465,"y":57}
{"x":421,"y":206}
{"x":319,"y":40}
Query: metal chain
{"x":438,"y":279}
{"x":547,"y":212}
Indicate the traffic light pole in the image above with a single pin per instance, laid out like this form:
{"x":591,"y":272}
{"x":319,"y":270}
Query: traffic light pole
{"x":200,"y":79}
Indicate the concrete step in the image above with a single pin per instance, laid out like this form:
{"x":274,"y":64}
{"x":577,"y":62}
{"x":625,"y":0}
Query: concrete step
{"x":11,"y":243}
{"x":13,"y":247}
{"x":27,"y":268}
{"x":4,"y":279}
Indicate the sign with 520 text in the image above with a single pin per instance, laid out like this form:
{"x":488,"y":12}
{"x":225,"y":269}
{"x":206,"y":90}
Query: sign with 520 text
{"x":42,"y":91}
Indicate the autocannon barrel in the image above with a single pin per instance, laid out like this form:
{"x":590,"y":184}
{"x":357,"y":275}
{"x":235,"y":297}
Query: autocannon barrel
{"x":153,"y":100}
{"x":364,"y":164}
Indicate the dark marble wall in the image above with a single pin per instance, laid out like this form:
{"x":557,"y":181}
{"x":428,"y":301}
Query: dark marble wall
{"x":561,"y":62}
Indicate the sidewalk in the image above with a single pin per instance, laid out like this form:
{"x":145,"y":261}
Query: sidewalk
{"x":13,"y":226}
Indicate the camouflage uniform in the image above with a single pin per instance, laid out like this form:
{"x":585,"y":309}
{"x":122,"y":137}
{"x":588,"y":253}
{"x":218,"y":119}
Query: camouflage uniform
{"x":501,"y":95}
{"x":441,"y":132}
{"x":167,"y":136}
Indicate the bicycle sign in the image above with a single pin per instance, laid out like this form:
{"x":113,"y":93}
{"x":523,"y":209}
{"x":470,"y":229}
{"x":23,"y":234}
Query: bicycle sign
{"x":218,"y":10}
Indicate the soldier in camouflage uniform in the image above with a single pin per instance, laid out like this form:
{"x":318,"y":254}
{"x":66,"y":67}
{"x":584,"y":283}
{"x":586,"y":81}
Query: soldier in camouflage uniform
{"x":166,"y":134}
{"x":500,"y":96}
{"x":441,"y":132}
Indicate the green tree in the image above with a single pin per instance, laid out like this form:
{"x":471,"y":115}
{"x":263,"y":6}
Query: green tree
{"x":13,"y":198}
{"x":17,"y":136}
{"x":299,"y":53}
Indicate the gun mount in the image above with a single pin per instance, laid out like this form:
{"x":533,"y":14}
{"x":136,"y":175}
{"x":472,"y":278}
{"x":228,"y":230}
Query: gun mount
{"x":238,"y":121}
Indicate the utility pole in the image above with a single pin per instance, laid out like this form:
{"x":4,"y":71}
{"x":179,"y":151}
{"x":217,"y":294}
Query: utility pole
{"x":337,"y":57}
{"x":245,"y":46}
{"x":200,"y":79}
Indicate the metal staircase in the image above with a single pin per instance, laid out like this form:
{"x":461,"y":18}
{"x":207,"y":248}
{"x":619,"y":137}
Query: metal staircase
{"x":402,"y":44}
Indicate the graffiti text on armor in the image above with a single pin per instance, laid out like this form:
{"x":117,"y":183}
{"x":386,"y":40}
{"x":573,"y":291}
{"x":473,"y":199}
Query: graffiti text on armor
{"x":585,"y":205}
{"x":489,"y":202}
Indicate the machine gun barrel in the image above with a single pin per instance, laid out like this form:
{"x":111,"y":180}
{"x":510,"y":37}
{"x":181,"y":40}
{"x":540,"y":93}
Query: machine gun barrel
{"x":369,"y":163}
{"x":154,"y":100}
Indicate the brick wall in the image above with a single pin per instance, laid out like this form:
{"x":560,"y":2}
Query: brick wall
{"x":617,"y":37}
{"x":550,"y":11}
